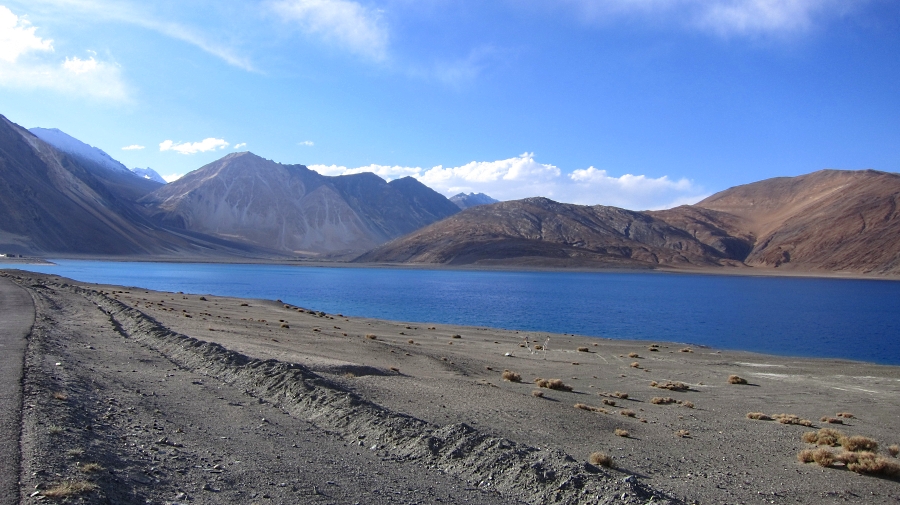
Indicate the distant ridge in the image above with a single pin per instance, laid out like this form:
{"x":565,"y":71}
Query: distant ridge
{"x":830,"y":221}
{"x":464,"y":201}
{"x":70,"y":145}
{"x":148,"y":173}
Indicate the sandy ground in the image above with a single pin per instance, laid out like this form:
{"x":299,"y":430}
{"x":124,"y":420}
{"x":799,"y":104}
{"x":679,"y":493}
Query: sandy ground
{"x":295,"y":406}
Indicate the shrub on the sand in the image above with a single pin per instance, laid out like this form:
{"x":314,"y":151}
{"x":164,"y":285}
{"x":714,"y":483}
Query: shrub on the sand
{"x":659,"y":400}
{"x":537,"y":393}
{"x":69,"y":488}
{"x":590,"y":408}
{"x":601,"y":459}
{"x":687,"y":349}
{"x":371,"y":336}
{"x":620,"y":395}
{"x":831,"y":420}
{"x":758,"y":416}
{"x":653,"y":349}
{"x":511,"y":376}
{"x":845,"y":415}
{"x":556,"y":384}
{"x":823,"y":457}
{"x":825,"y":436}
{"x":869,"y":463}
{"x":857,"y":443}
{"x":734,"y":379}
{"x":633,"y":355}
{"x":635,"y":365}
{"x":583,"y":349}
{"x":806,"y":455}
{"x":689,"y":405}
{"x":611,"y":403}
{"x":894,"y":450}
{"x":621,"y":433}
{"x":791,"y":419}
{"x":682,"y":433}
{"x":627,"y":413}
{"x":671,"y":386}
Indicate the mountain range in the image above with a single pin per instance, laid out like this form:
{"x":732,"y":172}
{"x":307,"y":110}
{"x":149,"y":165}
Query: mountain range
{"x":824,"y":222}
{"x":60,"y":196}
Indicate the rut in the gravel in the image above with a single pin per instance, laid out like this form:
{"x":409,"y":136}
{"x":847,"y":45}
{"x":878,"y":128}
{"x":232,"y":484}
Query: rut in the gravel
{"x":515,"y":470}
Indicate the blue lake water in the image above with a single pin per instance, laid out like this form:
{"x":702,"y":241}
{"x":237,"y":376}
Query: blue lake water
{"x":839,"y":318}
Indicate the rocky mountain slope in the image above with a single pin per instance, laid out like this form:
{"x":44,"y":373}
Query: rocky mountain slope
{"x":52,"y":203}
{"x":292,"y":209}
{"x":148,"y":173}
{"x":827,"y":221}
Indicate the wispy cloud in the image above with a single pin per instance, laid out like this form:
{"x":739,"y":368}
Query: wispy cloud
{"x":238,"y":146}
{"x":307,"y":143}
{"x":140,"y":14}
{"x":205,"y":145}
{"x":133,"y":147}
{"x":723,"y":17}
{"x":172,"y":177}
{"x":345,"y":23}
{"x":522,"y":177}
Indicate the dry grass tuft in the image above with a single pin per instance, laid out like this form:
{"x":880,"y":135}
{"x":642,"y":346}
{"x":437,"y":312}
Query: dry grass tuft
{"x":687,"y":349}
{"x":823,"y":457}
{"x":660,"y":400}
{"x":869,"y":463}
{"x":394,"y":369}
{"x":69,"y":488}
{"x":857,"y":443}
{"x":74,"y":452}
{"x":285,"y":325}
{"x":894,"y":450}
{"x":633,"y":355}
{"x":590,"y":408}
{"x":805,"y":456}
{"x":410,"y":341}
{"x":653,"y":348}
{"x":601,"y":459}
{"x":627,"y":413}
{"x":456,"y":336}
{"x":556,"y":384}
{"x":671,"y":386}
{"x":55,"y":430}
{"x":90,"y":468}
{"x":831,"y":420}
{"x":791,"y":419}
{"x":759,"y":416}
{"x":635,"y":364}
{"x":60,"y":396}
{"x":734,"y":379}
{"x":511,"y":376}
{"x":622,"y":433}
{"x":611,"y":403}
{"x":620,"y":395}
{"x":537,"y":393}
{"x":825,"y":436}
{"x":371,"y":336}
{"x":689,"y":405}
{"x":583,"y":349}
{"x":683,"y":433}
{"x":845,"y":415}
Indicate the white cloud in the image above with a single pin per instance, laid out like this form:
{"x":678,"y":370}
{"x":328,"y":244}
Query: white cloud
{"x":205,"y":145}
{"x":238,"y":146}
{"x":308,"y":143}
{"x":172,"y":177}
{"x":26,"y":62}
{"x":342,"y":22}
{"x":133,"y":147}
{"x":17,"y":37}
{"x":522,"y":177}
{"x":724,"y":17}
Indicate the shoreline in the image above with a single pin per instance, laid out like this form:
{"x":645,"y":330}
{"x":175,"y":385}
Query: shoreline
{"x":450,"y":378}
{"x":743,"y":271}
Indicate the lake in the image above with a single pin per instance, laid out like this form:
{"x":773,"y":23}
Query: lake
{"x":838,"y":318}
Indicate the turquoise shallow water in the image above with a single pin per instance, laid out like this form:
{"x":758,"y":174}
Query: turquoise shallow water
{"x":839,"y":318}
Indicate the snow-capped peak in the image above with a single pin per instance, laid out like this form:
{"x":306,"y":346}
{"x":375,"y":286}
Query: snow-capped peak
{"x":75,"y":147}
{"x":148,"y":173}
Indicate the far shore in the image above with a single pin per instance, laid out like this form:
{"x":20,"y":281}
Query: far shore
{"x":740,"y":271}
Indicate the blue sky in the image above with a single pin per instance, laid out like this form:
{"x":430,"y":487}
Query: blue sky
{"x":634,"y":103}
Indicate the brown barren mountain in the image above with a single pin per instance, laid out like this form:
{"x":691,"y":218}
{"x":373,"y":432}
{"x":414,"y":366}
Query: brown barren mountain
{"x":547,"y":233}
{"x":294,"y":210}
{"x":826,"y":222}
